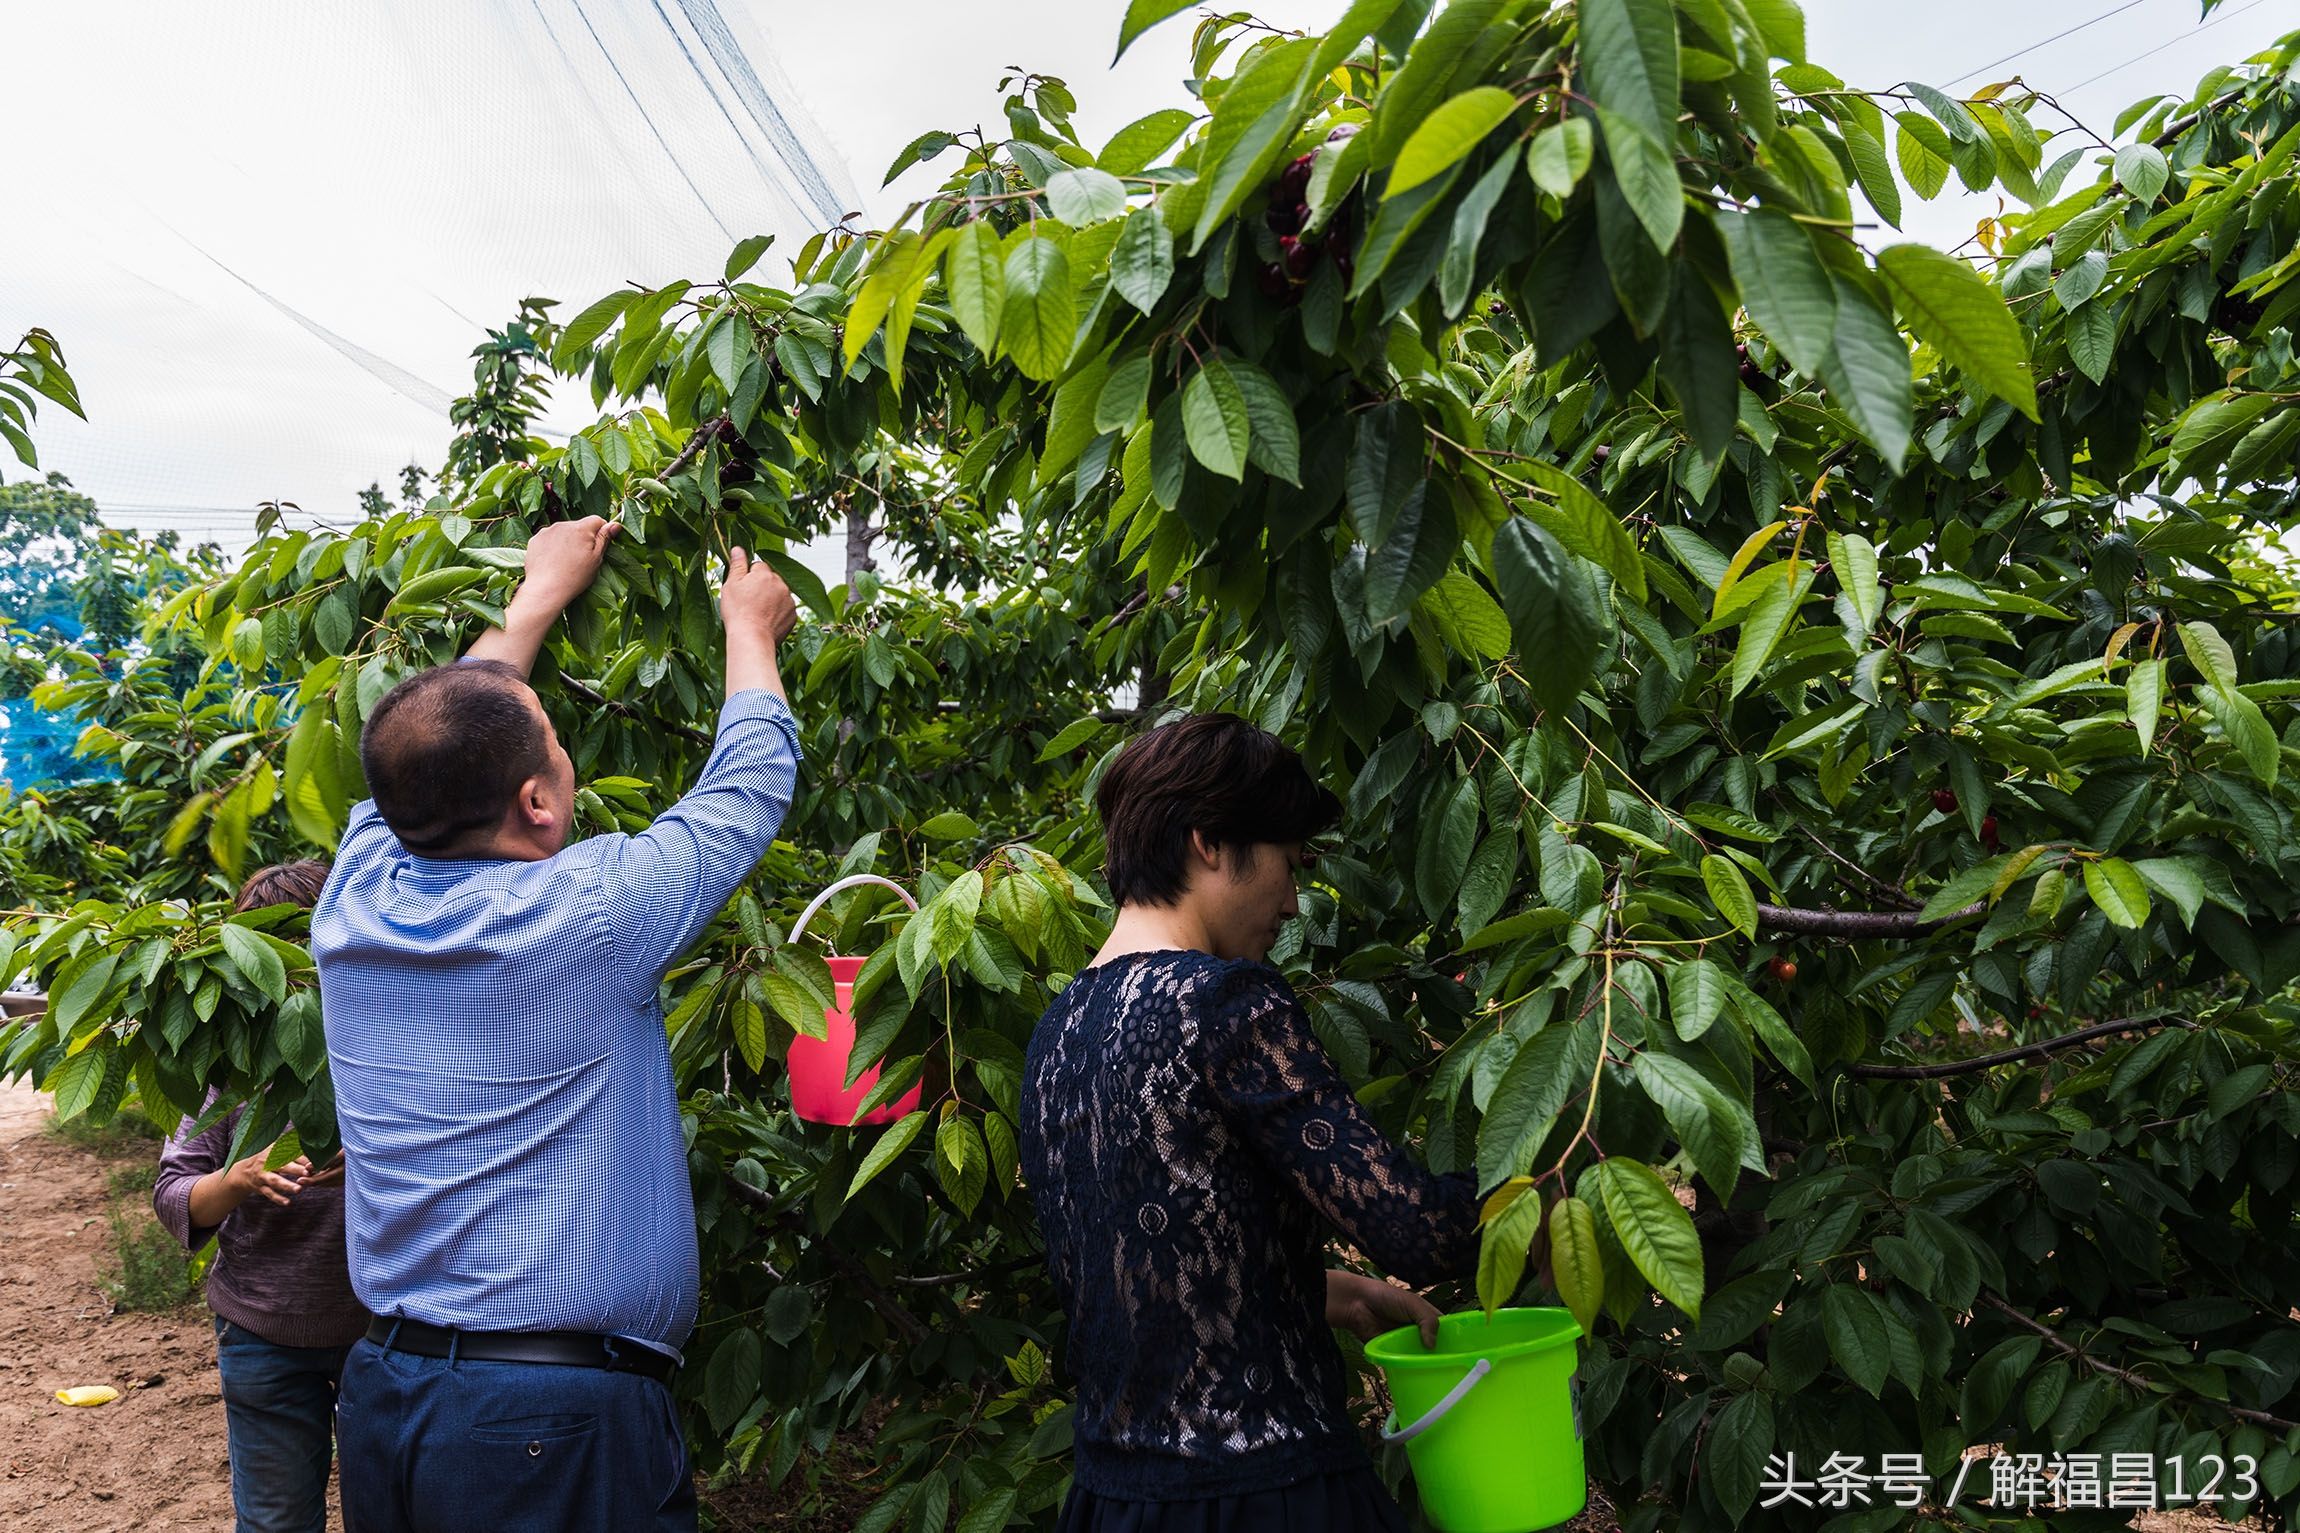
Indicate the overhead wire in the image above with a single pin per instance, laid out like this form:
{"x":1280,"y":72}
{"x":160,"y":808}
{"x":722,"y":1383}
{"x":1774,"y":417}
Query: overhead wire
{"x":2172,"y":42}
{"x":2045,"y":42}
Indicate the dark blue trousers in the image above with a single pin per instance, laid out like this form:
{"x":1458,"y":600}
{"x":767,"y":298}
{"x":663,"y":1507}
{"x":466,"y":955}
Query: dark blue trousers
{"x":428,"y":1445}
{"x":279,"y":1413}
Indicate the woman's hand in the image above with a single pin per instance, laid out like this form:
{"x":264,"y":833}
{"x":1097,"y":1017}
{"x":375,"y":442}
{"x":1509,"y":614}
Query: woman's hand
{"x":1366,"y":1307}
{"x":219,"y":1192}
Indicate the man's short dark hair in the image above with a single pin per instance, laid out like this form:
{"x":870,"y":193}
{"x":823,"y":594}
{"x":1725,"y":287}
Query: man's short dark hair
{"x":283,"y":883}
{"x":446,"y":750}
{"x":1213,"y":773}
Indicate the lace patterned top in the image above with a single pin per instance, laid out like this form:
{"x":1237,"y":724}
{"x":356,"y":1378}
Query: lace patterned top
{"x":1190,"y":1148}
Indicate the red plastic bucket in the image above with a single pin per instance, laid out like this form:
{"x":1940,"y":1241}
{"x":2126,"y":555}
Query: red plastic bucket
{"x":818,"y":1066}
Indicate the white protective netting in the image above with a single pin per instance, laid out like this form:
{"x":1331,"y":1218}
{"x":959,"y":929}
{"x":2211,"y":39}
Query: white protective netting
{"x":268,"y":234}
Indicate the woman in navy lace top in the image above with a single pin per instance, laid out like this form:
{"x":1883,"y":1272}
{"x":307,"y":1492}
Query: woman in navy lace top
{"x":1191,"y":1150}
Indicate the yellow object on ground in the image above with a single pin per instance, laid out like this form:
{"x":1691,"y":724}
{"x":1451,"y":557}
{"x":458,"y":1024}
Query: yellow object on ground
{"x":89,"y":1394}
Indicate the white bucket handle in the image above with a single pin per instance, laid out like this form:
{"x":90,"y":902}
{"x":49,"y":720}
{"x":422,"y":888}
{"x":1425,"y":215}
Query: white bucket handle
{"x":1392,"y":1433}
{"x":841,"y":887}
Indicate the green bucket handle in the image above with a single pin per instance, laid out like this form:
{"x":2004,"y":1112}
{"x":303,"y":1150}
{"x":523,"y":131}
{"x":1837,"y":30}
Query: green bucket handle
{"x":1392,"y":1433}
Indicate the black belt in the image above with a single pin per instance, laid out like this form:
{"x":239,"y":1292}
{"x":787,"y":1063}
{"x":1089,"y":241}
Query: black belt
{"x":573,"y":1349}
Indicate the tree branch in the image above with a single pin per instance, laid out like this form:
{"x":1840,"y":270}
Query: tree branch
{"x":704,"y":436}
{"x":2036,"y":1050}
{"x":981,"y":1274}
{"x":1892,"y":893}
{"x":1851,"y":925}
{"x":904,"y":1322}
{"x":599,"y":700}
{"x":2124,"y":1376}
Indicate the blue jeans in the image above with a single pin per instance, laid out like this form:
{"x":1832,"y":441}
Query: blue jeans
{"x":431,"y":1445}
{"x":279,"y":1412}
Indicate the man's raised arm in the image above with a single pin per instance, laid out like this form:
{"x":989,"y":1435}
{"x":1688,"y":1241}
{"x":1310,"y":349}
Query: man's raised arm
{"x":562,"y":561}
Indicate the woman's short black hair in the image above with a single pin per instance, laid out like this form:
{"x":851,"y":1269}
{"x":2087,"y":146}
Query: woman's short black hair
{"x":446,"y":750}
{"x":1213,"y":773}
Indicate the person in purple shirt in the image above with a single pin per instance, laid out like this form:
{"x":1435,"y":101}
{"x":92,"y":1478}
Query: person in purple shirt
{"x":284,"y":1310}
{"x":517,"y":1210}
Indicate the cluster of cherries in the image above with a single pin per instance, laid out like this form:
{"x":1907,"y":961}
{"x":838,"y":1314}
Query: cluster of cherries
{"x":1945,"y":800}
{"x":1298,"y":257}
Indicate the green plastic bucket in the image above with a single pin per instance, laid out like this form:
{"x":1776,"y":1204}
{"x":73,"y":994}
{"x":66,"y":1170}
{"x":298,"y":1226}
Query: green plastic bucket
{"x":1492,"y":1418}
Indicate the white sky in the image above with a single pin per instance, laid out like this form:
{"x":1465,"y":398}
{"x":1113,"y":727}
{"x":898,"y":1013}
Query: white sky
{"x":401,"y":172}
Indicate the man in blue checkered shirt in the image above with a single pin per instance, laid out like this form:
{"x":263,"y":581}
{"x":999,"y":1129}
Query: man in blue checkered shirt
{"x":517,"y":1205}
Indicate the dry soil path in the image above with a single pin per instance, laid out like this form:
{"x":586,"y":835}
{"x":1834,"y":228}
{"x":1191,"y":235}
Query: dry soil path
{"x":152,"y":1459}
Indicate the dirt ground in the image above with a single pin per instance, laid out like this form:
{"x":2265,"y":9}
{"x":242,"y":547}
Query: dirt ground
{"x":152,"y":1459}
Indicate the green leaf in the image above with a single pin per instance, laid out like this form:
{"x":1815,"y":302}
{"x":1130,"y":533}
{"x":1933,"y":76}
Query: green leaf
{"x":2142,"y":171}
{"x":1074,"y":734}
{"x":1629,"y":62}
{"x":1699,"y":365}
{"x":1253,"y":124}
{"x":1560,"y":156}
{"x":961,"y":1162}
{"x":1739,"y":1443}
{"x":1085,"y":196}
{"x":746,"y":255}
{"x":891,"y":1144}
{"x":1854,"y":559}
{"x":77,"y":996}
{"x":2210,"y":654}
{"x":2207,"y":432}
{"x":1697,"y":996}
{"x":1768,"y":1025}
{"x":253,"y":960}
{"x":2118,"y":890}
{"x":1784,"y":284}
{"x":1470,"y":621}
{"x":1963,"y":318}
{"x":1141,"y":16}
{"x":2247,"y":729}
{"x":991,"y":1513}
{"x":302,"y":1042}
{"x":732,"y":1379}
{"x":1654,"y":1229}
{"x":1273,"y":441}
{"x":1041,"y":315}
{"x":1124,"y":394}
{"x":1070,"y":419}
{"x":1554,"y":610}
{"x":1717,"y":1131}
{"x":1548,"y":1069}
{"x":1962,"y":890}
{"x":1857,"y":1336}
{"x":2177,"y":880}
{"x":589,"y":325}
{"x":950,"y":825}
{"x":1576,"y":1264}
{"x":1448,"y":134}
{"x":2144,"y":699}
{"x":1503,"y":1248}
{"x":2082,"y":279}
{"x":1422,"y":540}
{"x":75,"y":1082}
{"x":1142,"y":262}
{"x":1444,"y":855}
{"x":1923,"y":152}
{"x":1214,"y":419}
{"x":1729,"y":892}
{"x":1645,"y":172}
{"x":974,"y":277}
{"x":1134,"y":146}
{"x":1867,"y":372}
